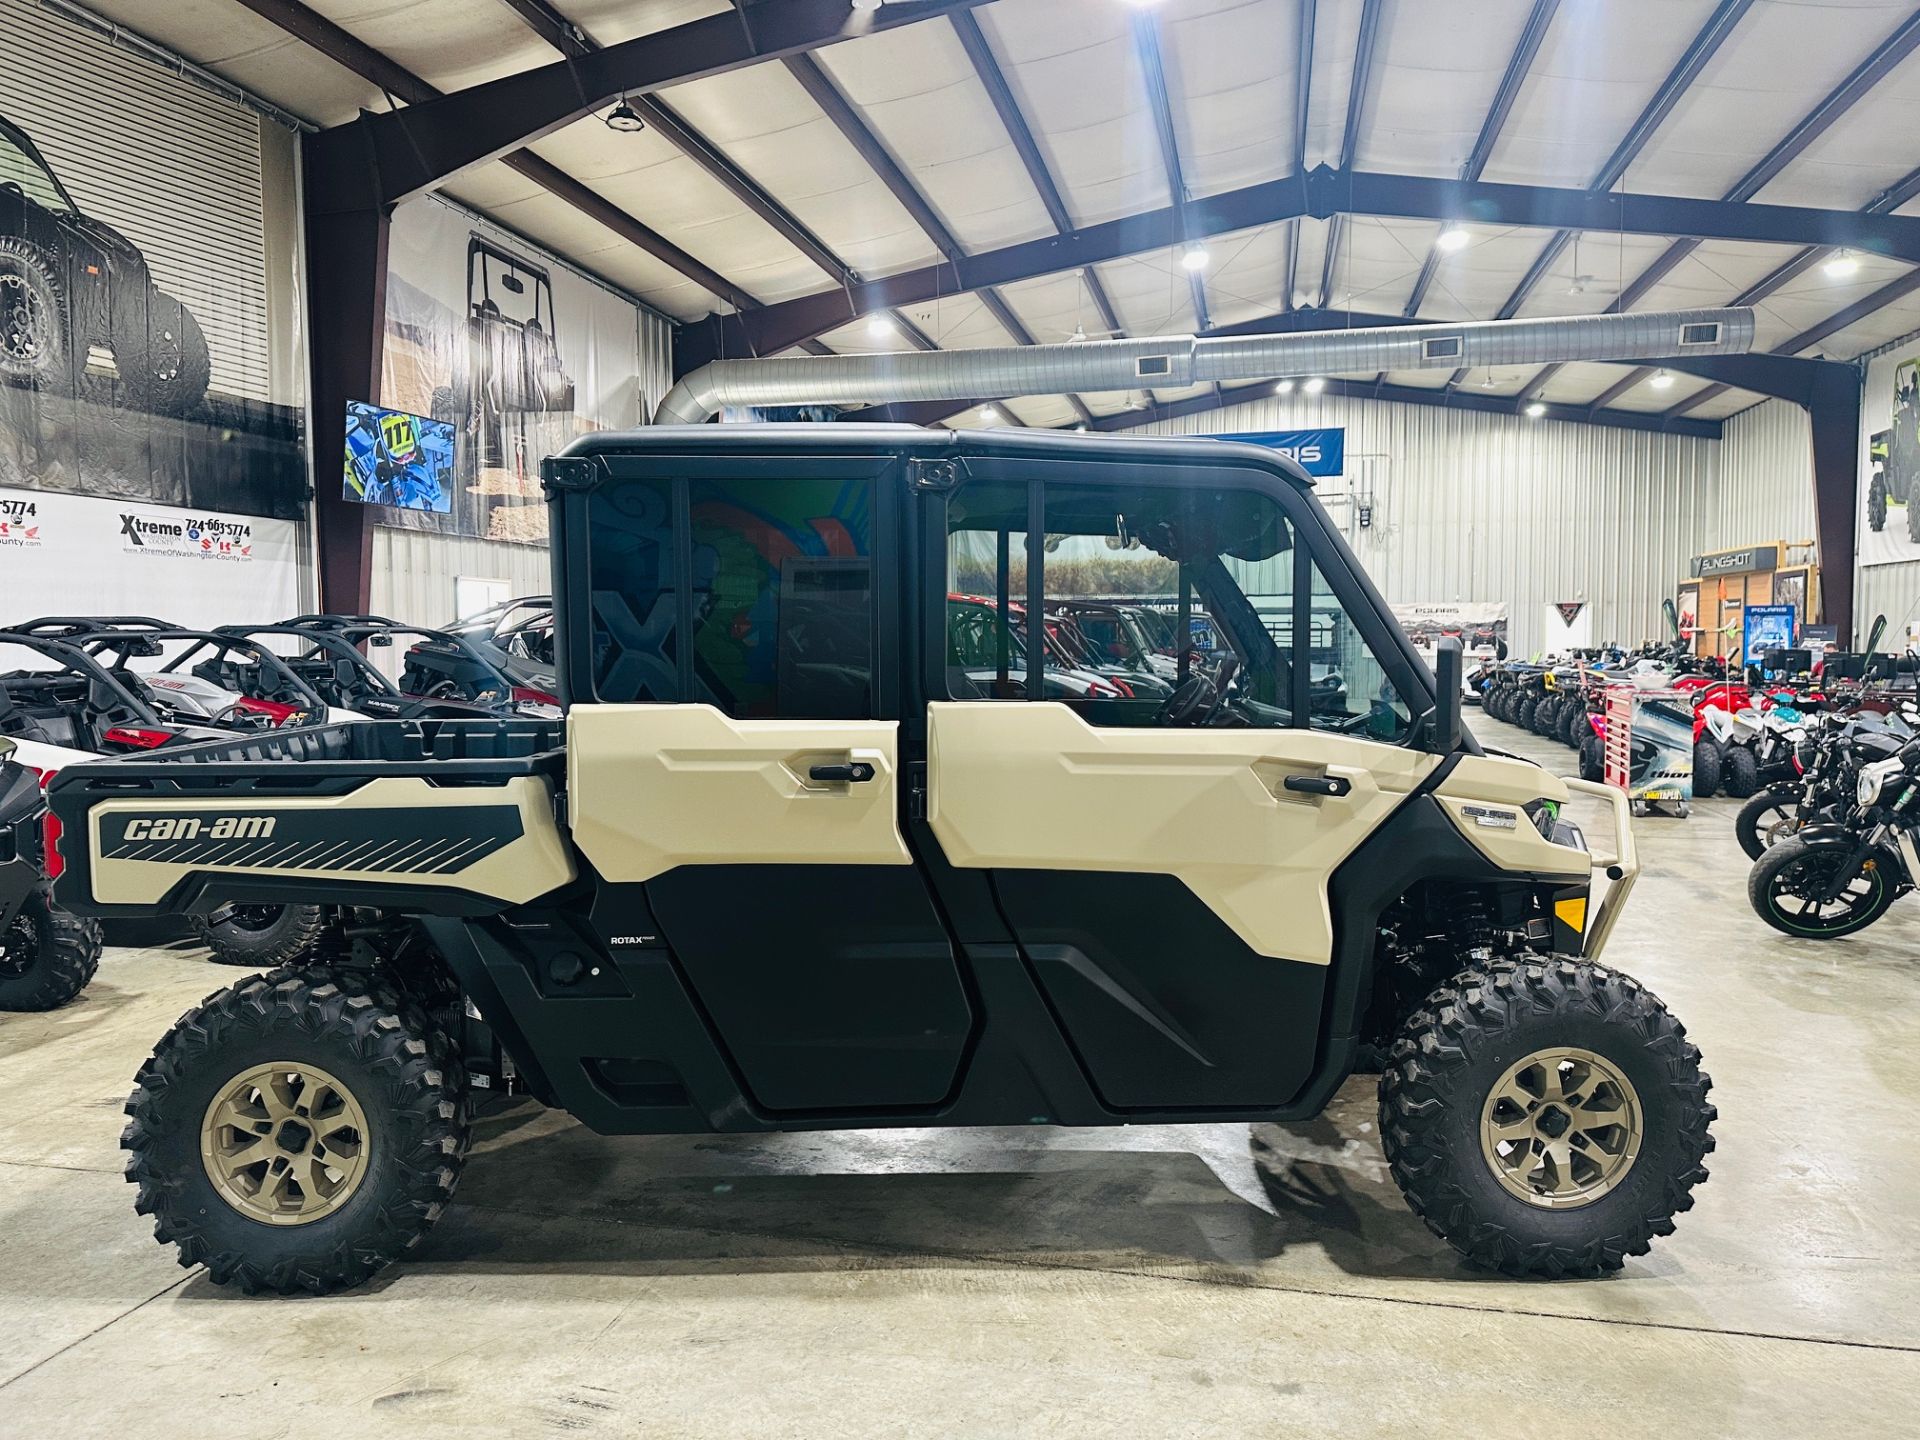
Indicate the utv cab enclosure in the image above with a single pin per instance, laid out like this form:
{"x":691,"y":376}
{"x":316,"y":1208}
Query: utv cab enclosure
{"x":784,"y":864}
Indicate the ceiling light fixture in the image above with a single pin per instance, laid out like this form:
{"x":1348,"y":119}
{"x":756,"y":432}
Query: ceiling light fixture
{"x":1661,"y":380}
{"x":881,"y":327}
{"x":1536,"y":410}
{"x":625,"y":119}
{"x":989,"y":416}
{"x":1195,"y":257}
{"x":1843,"y":266}
{"x":1454,"y":237}
{"x":1285,"y":387}
{"x":1314,"y":386}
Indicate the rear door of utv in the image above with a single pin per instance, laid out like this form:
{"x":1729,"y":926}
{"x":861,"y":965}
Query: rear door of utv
{"x":735,"y":775}
{"x":1162,"y":866}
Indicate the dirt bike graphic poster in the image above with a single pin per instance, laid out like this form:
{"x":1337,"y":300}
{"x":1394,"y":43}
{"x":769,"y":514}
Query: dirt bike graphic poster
{"x":518,"y":353}
{"x":146,"y":299}
{"x":1889,"y":487}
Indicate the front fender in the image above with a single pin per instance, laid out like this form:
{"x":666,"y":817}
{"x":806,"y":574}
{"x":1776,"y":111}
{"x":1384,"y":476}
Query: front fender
{"x":1829,"y":836}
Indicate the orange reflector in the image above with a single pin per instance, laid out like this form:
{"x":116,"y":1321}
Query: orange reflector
{"x":1572,"y":913}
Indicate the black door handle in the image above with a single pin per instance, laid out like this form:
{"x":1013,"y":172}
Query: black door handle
{"x":856,"y":773}
{"x":1333,"y":785}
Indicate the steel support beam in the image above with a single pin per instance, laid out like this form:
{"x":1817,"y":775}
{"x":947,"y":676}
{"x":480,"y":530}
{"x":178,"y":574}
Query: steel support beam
{"x":1513,"y":78}
{"x":1359,"y":88}
{"x":1416,"y":395}
{"x":1302,"y":101}
{"x":1320,"y":193}
{"x":386,"y":158}
{"x":346,"y":331}
{"x":1885,"y":58}
{"x":1835,"y":411}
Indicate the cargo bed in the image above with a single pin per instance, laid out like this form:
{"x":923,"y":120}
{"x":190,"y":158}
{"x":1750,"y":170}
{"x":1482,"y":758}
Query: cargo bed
{"x":438,"y":816}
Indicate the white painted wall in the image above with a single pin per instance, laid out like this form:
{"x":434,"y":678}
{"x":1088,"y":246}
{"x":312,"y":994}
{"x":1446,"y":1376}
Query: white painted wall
{"x":1470,"y":506}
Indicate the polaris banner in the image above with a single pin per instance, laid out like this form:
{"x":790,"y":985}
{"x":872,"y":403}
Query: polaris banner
{"x":1321,"y":453}
{"x":190,"y":567}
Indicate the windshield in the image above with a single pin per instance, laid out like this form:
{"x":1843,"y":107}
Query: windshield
{"x":24,"y":171}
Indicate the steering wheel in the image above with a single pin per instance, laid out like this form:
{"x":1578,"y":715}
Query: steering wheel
{"x":1199,"y":695}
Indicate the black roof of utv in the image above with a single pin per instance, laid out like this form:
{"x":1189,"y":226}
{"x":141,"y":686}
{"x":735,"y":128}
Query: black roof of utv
{"x":924,"y":444}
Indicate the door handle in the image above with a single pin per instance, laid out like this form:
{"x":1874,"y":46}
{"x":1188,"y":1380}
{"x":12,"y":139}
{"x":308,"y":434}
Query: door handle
{"x":1333,"y":786}
{"x":856,"y":772}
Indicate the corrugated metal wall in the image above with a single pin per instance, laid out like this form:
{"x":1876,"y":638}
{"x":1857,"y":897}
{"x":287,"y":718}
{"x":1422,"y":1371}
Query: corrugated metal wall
{"x":414,"y":571}
{"x":1766,"y":478}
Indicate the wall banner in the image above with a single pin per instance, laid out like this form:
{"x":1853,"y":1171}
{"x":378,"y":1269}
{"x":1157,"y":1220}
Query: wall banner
{"x":138,"y":300}
{"x":1479,"y":625}
{"x":520,"y":355}
{"x":193,"y":567}
{"x":1889,"y":488}
{"x":1321,"y":453}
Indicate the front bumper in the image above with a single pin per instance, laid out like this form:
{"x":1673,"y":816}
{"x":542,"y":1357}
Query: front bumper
{"x":1620,"y":865}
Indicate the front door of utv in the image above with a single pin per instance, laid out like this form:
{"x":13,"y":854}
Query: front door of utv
{"x":756,"y":820}
{"x":1167,"y":883}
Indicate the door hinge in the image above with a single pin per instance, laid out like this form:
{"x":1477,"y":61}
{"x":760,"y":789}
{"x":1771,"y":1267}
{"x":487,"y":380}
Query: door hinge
{"x":917,"y":790}
{"x":561,"y":473}
{"x":938,"y":475}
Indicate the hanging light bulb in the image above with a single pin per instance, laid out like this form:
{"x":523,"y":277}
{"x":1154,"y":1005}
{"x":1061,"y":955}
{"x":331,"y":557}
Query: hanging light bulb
{"x":1314,"y":386}
{"x":881,"y":327}
{"x":1661,"y":380}
{"x":1195,"y":257}
{"x":1285,"y":387}
{"x":625,"y":119}
{"x":1536,"y":410}
{"x":1843,"y":266}
{"x":1454,"y":237}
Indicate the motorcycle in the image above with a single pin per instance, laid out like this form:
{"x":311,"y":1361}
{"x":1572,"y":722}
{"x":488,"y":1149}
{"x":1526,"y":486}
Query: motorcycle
{"x":1830,"y":880}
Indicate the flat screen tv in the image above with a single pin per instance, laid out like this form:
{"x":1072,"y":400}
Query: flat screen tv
{"x":398,"y":459}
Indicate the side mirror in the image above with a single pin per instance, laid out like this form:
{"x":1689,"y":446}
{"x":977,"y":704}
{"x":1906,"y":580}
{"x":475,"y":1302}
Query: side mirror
{"x":1447,"y":662}
{"x":1873,"y":635}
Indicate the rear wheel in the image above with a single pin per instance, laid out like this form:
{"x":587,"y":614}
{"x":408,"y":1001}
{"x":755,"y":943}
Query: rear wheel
{"x":1574,"y":726}
{"x":1546,"y":716}
{"x":1765,"y":820}
{"x":1706,"y":769}
{"x":1545,"y":1117}
{"x":1523,"y":712}
{"x":299,"y":1135}
{"x":1877,"y":501}
{"x":1740,"y":774}
{"x":261,"y":936}
{"x":1593,"y":759}
{"x":161,"y":355}
{"x":46,"y":956}
{"x":1787,"y":885}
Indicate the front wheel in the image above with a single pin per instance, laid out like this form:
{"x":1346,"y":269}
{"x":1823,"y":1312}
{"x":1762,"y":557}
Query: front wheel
{"x":1593,"y":758}
{"x":1787,"y":885}
{"x":46,"y":956}
{"x":295,"y":1133}
{"x":1545,"y":1116}
{"x":1740,"y":772}
{"x":1765,"y":820}
{"x":1877,"y":502}
{"x":1706,"y":769}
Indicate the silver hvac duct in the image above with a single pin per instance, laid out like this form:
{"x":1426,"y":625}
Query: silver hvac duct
{"x":1173,"y":361}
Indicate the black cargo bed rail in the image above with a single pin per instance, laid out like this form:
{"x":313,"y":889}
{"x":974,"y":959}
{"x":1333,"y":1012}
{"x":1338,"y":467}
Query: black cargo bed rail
{"x":330,"y":758}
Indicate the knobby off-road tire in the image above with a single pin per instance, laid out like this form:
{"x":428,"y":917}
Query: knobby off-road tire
{"x":1452,"y":1058}
{"x":1877,"y":502}
{"x":349,"y":1044}
{"x":161,"y":354}
{"x":1739,"y":772}
{"x":1574,"y":725}
{"x":33,"y":316}
{"x":251,"y":938}
{"x":49,"y":957}
{"x":1593,"y":758}
{"x":1706,"y":769}
{"x":1546,"y":716}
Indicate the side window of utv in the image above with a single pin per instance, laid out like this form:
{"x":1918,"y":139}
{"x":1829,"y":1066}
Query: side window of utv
{"x":1119,"y":644}
{"x":1350,"y":688}
{"x":783,"y":616}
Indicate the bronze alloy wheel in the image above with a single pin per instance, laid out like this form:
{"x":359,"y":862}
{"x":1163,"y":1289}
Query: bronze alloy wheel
{"x":285,"y":1144}
{"x":1561,"y":1128}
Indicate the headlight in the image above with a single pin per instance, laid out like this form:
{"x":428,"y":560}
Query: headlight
{"x":1868,"y":789}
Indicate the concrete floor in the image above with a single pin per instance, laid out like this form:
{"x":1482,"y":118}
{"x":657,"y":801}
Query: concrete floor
{"x":1193,"y":1281}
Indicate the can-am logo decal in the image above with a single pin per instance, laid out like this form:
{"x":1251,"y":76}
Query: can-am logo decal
{"x":1569,"y":610}
{"x":19,"y":522}
{"x":210,"y":538}
{"x":188,"y":827}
